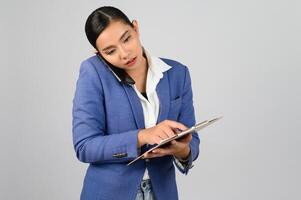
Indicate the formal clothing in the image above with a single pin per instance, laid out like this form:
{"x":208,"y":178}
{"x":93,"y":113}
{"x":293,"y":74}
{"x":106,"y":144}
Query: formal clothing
{"x":107,"y":116}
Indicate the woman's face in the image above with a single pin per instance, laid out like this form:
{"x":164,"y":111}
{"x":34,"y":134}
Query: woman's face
{"x":120,"y":45}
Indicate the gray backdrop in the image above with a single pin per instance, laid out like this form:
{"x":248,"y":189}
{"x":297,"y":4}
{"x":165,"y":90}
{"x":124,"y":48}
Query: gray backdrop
{"x":244,"y":59}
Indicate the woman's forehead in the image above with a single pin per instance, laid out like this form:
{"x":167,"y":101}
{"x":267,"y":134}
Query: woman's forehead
{"x":113,"y":33}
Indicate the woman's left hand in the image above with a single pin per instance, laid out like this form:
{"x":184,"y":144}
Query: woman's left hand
{"x":178,"y":148}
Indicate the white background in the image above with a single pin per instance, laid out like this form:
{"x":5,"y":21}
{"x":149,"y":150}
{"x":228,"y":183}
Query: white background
{"x":244,"y":59}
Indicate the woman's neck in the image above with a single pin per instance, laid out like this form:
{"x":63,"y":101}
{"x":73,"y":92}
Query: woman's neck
{"x":139,"y":75}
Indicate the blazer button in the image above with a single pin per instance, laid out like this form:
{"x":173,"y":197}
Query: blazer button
{"x":120,"y":155}
{"x":147,"y":160}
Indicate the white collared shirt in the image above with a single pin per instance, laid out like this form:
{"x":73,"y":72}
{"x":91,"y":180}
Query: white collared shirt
{"x":151,"y":105}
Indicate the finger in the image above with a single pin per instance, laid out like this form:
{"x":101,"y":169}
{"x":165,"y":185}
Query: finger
{"x":163,"y":151}
{"x":168,"y":131}
{"x":153,"y":155}
{"x":185,"y":139}
{"x":175,"y":124}
{"x":145,"y":156}
{"x":176,"y":145}
{"x":158,"y":139}
{"x":177,"y":131}
{"x":150,"y":155}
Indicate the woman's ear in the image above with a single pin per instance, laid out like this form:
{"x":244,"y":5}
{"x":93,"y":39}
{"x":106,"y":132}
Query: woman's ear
{"x":135,"y":26}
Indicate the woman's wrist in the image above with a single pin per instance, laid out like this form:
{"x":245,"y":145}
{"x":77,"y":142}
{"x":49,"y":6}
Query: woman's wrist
{"x":184,"y":154}
{"x":141,"y":140}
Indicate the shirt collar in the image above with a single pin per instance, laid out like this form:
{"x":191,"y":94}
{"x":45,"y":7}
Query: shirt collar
{"x":156,"y":67}
{"x":155,"y":64}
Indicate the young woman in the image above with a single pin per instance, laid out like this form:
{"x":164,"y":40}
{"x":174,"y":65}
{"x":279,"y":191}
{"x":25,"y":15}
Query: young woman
{"x":127,"y":100}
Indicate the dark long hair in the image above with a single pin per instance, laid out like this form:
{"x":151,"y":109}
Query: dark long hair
{"x":100,"y":19}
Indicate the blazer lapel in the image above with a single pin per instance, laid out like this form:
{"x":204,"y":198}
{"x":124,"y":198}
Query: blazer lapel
{"x":135,"y":105}
{"x":164,"y":98}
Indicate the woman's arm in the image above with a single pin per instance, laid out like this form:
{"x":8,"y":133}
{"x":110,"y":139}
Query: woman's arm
{"x":91,"y":142}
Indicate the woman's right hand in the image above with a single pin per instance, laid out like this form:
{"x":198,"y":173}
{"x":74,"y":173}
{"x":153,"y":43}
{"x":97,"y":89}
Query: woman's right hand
{"x":161,"y":131}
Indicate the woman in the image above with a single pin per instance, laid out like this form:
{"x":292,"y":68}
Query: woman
{"x":126,"y":101}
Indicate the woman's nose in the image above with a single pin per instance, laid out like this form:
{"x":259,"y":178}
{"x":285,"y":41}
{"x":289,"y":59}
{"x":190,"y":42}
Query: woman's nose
{"x":123,"y":53}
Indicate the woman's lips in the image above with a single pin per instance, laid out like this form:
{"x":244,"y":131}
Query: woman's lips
{"x":131,"y":62}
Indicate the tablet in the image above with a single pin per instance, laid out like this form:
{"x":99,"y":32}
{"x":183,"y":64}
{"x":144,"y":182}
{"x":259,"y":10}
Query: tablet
{"x":178,"y":136}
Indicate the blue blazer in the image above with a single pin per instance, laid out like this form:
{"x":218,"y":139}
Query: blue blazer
{"x":107,"y":115}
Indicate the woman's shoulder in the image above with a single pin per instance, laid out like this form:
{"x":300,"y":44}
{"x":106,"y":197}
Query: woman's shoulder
{"x":176,"y":66}
{"x":93,"y":63}
{"x":173,"y":63}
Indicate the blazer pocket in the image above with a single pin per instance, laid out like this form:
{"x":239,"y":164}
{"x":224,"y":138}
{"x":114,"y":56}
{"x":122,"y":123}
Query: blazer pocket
{"x":174,"y":109}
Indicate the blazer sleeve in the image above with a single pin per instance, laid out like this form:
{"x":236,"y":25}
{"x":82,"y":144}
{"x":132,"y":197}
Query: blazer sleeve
{"x":91,"y":142}
{"x":187,"y":117}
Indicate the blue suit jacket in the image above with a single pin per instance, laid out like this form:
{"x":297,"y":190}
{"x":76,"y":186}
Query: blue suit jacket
{"x":107,"y":115}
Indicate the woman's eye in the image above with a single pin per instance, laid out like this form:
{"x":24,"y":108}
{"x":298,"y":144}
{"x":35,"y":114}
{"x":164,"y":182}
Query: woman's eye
{"x":127,"y":39}
{"x":110,"y":52}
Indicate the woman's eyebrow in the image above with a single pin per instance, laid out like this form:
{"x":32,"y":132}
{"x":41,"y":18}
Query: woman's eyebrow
{"x":111,"y":46}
